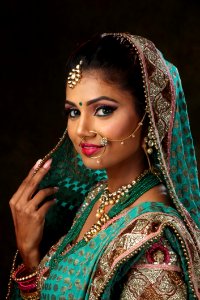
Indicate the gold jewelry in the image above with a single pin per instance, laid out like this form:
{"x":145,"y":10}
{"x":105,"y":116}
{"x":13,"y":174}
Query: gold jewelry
{"x":106,"y":199}
{"x":148,"y":145}
{"x":30,"y":296}
{"x":20,"y":269}
{"x":102,"y":144}
{"x":104,"y":140}
{"x":149,"y":140}
{"x":75,"y":75}
{"x":132,"y":134}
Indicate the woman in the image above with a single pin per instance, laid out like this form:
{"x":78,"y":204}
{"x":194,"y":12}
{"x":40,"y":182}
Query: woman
{"x":135,"y":235}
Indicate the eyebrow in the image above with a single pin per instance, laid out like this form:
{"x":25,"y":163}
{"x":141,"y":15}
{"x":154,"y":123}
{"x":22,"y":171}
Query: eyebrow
{"x":93,"y":100}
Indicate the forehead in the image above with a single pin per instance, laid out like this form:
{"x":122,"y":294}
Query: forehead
{"x":92,"y":86}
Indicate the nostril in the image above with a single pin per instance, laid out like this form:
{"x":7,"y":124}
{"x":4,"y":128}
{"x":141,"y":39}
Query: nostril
{"x":94,"y":132}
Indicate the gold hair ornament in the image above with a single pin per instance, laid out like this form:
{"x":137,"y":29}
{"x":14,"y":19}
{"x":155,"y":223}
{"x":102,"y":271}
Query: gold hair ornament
{"x":75,"y":75}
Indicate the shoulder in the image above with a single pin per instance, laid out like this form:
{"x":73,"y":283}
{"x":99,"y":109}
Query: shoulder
{"x":154,"y":239}
{"x":158,"y":193}
{"x":157,"y":273}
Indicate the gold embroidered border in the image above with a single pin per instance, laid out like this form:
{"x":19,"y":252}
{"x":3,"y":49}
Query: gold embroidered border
{"x":139,"y":233}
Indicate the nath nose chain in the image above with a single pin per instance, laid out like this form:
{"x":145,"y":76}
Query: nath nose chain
{"x":104,"y":140}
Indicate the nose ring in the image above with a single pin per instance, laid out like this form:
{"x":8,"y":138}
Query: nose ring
{"x":103,"y":141}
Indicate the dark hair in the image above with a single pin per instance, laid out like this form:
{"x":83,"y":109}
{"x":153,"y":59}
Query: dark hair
{"x":117,"y":61}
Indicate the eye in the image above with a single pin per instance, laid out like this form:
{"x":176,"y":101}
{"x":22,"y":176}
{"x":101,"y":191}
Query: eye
{"x":72,"y":113}
{"x":104,"y":110}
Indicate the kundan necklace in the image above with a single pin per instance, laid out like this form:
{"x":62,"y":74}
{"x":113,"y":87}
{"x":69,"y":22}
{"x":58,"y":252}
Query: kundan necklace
{"x":110,"y":198}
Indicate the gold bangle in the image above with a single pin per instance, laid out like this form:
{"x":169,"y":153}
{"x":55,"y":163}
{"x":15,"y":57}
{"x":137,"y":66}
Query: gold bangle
{"x":30,"y":296}
{"x":26,"y":277}
{"x":23,"y":278}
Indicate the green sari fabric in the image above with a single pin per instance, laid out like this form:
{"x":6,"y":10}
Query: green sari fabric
{"x":72,"y":277}
{"x":174,"y":155}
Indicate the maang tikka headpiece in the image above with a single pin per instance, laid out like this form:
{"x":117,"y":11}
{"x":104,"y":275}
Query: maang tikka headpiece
{"x":75,"y":75}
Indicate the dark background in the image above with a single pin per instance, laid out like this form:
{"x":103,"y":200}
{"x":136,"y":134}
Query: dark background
{"x":36,"y":39}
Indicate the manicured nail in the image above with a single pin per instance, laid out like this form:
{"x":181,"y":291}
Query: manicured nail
{"x":47,"y":164}
{"x":37,"y":164}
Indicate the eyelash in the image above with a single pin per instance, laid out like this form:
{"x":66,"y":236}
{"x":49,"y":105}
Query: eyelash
{"x":110,"y":110}
{"x":68,"y":111}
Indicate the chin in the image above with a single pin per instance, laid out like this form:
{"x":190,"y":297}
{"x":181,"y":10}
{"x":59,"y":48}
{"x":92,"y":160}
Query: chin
{"x":91,"y":163}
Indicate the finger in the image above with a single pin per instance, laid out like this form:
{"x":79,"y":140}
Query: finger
{"x":13,"y":213}
{"x":33,"y":183}
{"x":42,"y":211}
{"x":21,"y":188}
{"x":40,"y":197}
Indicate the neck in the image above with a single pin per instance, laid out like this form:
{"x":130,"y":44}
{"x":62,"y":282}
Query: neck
{"x":124,"y":173}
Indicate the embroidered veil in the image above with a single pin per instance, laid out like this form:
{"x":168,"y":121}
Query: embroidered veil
{"x":174,"y":151}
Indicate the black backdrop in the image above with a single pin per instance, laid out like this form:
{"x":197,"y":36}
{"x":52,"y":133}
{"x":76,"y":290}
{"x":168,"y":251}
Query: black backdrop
{"x":36,"y":38}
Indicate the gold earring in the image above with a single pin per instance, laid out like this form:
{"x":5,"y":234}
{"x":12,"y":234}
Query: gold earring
{"x":149,"y":141}
{"x":147,"y":156}
{"x":148,"y":145}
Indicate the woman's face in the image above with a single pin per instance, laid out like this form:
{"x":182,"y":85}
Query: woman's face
{"x":95,"y":105}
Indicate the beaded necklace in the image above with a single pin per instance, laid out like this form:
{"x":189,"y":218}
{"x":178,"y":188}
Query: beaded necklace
{"x":107,"y":198}
{"x":142,"y":184}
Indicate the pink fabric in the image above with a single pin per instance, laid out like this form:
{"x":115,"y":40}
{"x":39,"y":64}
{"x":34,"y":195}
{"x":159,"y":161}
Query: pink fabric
{"x":158,"y":266}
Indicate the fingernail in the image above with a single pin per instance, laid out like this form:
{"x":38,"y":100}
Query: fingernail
{"x":37,"y":164}
{"x":47,"y":164}
{"x":56,"y":188}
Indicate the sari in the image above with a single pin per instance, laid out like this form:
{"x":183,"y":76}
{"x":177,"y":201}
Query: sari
{"x":149,"y":251}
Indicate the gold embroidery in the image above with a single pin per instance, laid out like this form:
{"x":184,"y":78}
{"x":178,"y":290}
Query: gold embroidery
{"x":130,"y":242}
{"x":154,"y":284}
{"x":159,"y":256}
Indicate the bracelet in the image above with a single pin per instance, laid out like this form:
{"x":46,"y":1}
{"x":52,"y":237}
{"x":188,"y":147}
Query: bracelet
{"x":30,"y":296}
{"x":19,"y":270}
{"x":28,"y":286}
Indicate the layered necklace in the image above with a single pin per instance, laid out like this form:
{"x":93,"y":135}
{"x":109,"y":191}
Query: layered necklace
{"x":110,"y":199}
{"x":121,"y":199}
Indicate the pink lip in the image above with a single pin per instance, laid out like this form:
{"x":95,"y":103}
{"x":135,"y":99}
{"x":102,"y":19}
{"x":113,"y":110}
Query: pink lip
{"x":89,"y":149}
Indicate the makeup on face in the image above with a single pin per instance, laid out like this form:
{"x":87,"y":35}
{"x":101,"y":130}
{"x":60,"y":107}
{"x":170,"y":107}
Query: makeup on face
{"x":90,"y":149}
{"x":101,"y":129}
{"x":101,"y":106}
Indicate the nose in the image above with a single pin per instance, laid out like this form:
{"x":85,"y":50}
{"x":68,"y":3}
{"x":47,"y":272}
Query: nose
{"x":84,"y":126}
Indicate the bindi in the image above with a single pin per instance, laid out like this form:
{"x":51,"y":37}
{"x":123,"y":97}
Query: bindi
{"x":80,"y":103}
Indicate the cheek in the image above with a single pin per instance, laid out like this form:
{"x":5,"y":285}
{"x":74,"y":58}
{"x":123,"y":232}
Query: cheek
{"x":120,"y":127}
{"x":72,"y":135}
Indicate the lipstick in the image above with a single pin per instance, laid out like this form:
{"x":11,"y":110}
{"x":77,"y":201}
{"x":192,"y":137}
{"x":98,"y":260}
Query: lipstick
{"x":89,"y":149}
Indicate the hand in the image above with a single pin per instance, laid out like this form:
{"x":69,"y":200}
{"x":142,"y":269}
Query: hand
{"x":29,"y":214}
